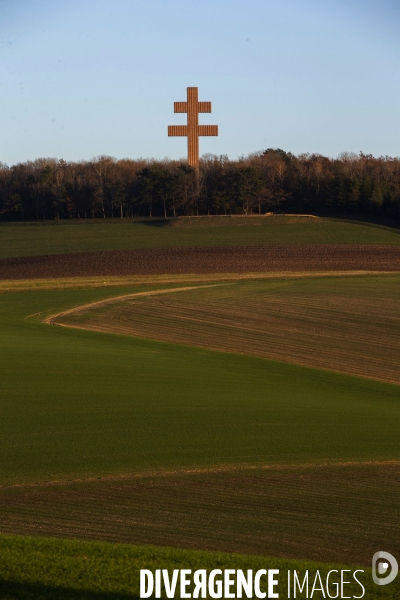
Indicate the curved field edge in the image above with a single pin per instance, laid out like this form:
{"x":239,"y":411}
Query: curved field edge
{"x":345,"y":325}
{"x":69,"y":569}
{"x":32,"y":239}
{"x":87,"y":404}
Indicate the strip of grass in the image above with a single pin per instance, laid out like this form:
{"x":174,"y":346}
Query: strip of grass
{"x":344,"y":324}
{"x":67,"y":570}
{"x":80,"y":403}
{"x":84,"y":283}
{"x":339,"y":513}
{"x":32,"y":239}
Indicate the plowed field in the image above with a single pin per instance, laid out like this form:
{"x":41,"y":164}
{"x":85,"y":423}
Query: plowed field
{"x":217,"y":259}
{"x":346,"y":324}
{"x":338,"y":513}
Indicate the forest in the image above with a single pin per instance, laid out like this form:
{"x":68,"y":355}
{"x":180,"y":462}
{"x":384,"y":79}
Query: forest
{"x":269,"y":181}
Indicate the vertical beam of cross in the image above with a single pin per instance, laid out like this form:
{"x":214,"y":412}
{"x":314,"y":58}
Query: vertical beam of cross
{"x":192,"y":130}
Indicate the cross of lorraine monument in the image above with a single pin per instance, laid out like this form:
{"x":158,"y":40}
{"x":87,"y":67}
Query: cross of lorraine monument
{"x":192,"y":130}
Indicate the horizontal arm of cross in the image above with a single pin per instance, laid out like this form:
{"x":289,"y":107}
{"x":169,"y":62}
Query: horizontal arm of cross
{"x":182,"y":130}
{"x":202,"y":107}
{"x":177,"y":130}
{"x":208,"y":130}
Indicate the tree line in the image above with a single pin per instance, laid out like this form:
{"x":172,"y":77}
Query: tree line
{"x":268,"y":181}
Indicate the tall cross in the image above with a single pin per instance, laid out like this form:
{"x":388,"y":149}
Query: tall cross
{"x":192,"y":130}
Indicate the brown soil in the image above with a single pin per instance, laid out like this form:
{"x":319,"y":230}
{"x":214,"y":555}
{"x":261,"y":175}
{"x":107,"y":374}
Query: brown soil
{"x":228,"y":259}
{"x":348,"y":325}
{"x":340,"y":513}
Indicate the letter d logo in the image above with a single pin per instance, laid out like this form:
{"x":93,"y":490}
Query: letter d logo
{"x":386,"y":561}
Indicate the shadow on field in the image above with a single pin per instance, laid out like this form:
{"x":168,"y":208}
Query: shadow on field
{"x":16,"y":590}
{"x":157,"y":222}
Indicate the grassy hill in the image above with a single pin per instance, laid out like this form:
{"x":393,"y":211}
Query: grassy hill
{"x":119,"y":438}
{"x":99,"y":410}
{"x":30,"y":239}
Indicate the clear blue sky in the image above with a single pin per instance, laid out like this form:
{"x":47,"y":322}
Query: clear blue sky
{"x":82,"y":78}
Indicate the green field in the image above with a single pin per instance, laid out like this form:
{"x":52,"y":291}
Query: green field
{"x":182,"y":421}
{"x":81,"y":403}
{"x":70,"y":570}
{"x":119,"y":438}
{"x":30,"y":239}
